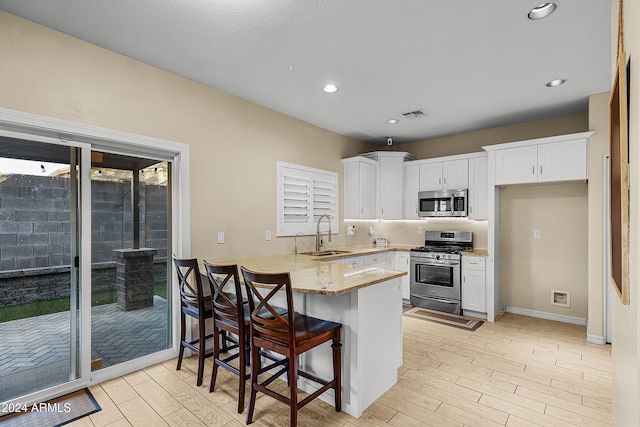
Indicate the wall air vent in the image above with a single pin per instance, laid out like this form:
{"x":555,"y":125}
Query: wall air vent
{"x":415,"y":114}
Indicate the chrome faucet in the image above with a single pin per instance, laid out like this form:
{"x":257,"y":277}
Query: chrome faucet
{"x":318,"y":231}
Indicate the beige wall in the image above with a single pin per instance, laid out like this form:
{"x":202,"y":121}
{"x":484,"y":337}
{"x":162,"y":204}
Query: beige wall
{"x":598,"y":148}
{"x":472,"y":142}
{"x":234,"y":144}
{"x":626,"y":318}
{"x":531,"y":268}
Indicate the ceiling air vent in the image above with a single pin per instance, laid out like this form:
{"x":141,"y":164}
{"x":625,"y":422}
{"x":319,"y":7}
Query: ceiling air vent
{"x":415,"y":114}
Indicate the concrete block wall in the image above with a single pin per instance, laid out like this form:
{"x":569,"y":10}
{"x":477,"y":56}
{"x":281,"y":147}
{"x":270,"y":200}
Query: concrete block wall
{"x":35,"y":232}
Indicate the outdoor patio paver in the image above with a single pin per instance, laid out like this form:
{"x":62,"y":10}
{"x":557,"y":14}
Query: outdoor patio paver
{"x":35,"y":351}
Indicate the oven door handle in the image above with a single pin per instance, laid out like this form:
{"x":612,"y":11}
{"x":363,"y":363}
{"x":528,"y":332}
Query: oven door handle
{"x":446,"y":301}
{"x":439,"y":263}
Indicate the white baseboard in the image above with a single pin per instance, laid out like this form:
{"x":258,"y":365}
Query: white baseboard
{"x":545,"y":315}
{"x":594,"y":339}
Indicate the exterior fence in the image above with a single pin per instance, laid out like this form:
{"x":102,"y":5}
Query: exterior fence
{"x":35,"y":234}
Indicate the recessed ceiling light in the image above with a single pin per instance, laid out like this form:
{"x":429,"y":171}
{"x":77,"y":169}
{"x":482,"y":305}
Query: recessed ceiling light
{"x":330,"y":88}
{"x":392,"y":121}
{"x":556,"y":82}
{"x":542,"y":10}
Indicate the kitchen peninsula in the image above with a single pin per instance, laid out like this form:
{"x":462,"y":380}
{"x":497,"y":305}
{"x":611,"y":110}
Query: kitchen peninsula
{"x":367,"y":301}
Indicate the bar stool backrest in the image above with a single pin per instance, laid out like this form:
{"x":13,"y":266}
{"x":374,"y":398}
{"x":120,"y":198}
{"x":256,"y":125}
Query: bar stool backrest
{"x":267,"y":322}
{"x":188,"y":275}
{"x":226,"y":292}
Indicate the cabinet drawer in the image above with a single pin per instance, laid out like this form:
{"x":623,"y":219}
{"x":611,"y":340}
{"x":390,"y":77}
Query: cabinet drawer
{"x":473,"y":263}
{"x":353,"y":260}
{"x":375,"y":260}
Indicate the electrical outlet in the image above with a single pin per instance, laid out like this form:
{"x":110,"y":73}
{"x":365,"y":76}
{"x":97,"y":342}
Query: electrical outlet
{"x":536,"y":234}
{"x":220,"y":237}
{"x":420,"y":231}
{"x":267,"y":235}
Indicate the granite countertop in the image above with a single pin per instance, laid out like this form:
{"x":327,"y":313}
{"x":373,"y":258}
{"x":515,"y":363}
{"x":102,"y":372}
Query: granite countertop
{"x":476,"y":252}
{"x":312,"y":274}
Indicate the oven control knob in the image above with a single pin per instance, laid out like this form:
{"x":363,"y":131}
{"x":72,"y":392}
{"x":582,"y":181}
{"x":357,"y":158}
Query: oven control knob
{"x":437,"y":256}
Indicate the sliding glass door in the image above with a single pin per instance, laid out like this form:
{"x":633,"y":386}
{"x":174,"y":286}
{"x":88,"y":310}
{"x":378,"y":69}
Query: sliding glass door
{"x":48,"y":337}
{"x":39,"y":266}
{"x":130,"y":216}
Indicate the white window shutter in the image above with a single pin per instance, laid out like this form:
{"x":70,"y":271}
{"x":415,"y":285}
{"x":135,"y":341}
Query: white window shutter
{"x":304,"y":194}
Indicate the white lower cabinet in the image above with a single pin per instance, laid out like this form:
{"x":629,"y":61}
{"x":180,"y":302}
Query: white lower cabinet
{"x":353,"y":260}
{"x":376,"y":260}
{"x":474,"y":295}
{"x":395,"y":260}
{"x":401,"y":263}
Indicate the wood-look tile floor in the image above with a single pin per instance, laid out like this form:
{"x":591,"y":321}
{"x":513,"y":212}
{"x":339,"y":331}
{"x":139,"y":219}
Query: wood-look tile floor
{"x":518,"y":371}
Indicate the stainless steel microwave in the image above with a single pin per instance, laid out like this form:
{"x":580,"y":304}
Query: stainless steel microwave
{"x":442,"y":203}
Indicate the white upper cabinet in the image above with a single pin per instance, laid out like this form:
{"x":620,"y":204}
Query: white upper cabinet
{"x":431,"y":176}
{"x":478,"y":187}
{"x":546,"y":162}
{"x":411,"y":189}
{"x":390,"y":187}
{"x":516,"y":165}
{"x":379,"y":179}
{"x":359,"y":188}
{"x":562,"y":161}
{"x":445,"y":175}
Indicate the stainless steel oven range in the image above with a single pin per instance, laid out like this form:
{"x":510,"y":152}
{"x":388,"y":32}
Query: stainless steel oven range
{"x":435,"y":270}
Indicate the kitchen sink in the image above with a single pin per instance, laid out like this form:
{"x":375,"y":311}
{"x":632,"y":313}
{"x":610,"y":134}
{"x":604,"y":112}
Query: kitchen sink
{"x":325,"y":253}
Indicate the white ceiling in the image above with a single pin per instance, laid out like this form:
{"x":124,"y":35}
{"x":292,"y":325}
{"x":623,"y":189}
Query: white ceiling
{"x":469,"y":64}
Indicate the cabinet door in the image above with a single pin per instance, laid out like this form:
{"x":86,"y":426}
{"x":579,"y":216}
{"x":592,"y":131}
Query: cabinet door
{"x":431,"y":176}
{"x":455,"y":174}
{"x":411,"y":189}
{"x":367,"y":194}
{"x":478,"y":188}
{"x":351,"y":193}
{"x":516,"y":165}
{"x":390,"y":184}
{"x":402,"y":264}
{"x":473,"y":291}
{"x":562,"y":161}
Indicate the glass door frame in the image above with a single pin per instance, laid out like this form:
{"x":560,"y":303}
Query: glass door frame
{"x":44,"y":129}
{"x":80,"y":244}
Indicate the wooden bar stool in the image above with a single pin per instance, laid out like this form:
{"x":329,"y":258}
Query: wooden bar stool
{"x":229,"y":316}
{"x":195,"y":304}
{"x":289,"y":334}
{"x":231,"y":323}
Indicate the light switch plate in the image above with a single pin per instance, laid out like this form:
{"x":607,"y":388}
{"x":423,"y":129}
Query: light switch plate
{"x":220,"y":237}
{"x":267,"y":235}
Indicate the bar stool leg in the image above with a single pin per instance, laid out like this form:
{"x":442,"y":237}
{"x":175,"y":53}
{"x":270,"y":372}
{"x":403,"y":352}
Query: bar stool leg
{"x":201,"y":352}
{"x":337,"y":371}
{"x":255,"y":367}
{"x":293,"y":389}
{"x":216,"y":355}
{"x":242,"y":369}
{"x":182,"y":338}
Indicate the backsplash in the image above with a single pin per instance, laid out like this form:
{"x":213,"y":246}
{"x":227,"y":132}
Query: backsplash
{"x":411,"y":232}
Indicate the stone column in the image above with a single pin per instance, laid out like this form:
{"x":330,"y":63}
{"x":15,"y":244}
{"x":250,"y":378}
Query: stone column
{"x":134,"y":278}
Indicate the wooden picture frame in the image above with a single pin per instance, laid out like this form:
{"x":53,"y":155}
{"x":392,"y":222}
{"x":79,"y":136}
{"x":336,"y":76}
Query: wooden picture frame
{"x":619,"y":181}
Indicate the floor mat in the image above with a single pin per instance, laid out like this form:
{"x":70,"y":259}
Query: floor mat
{"x":55,"y":412}
{"x":453,"y":320}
